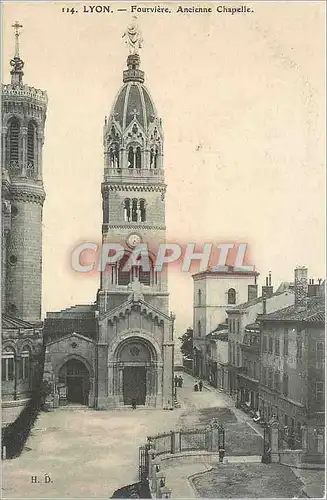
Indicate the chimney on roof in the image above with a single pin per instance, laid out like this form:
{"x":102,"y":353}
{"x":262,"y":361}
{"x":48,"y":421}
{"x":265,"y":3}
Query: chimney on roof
{"x":268,"y":289}
{"x":252,"y":292}
{"x":264,"y":306}
{"x":315,"y":289}
{"x":301,"y":286}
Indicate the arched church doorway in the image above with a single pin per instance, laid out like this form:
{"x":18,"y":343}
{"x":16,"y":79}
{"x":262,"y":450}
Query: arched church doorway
{"x":136,"y":359}
{"x":76,"y":379}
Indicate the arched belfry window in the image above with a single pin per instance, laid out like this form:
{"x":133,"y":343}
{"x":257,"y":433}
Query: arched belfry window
{"x":199,"y":297}
{"x":199,"y":328}
{"x":154,"y":157}
{"x":13,"y":144}
{"x":124,"y":277}
{"x":142,"y":210}
{"x":134,"y":156}
{"x":31,"y":148}
{"x":146,"y":276}
{"x":114,"y":156}
{"x":127,"y":210}
{"x":134,"y":210}
{"x":131,"y":162}
{"x":138,"y":157}
{"x":231,"y":296}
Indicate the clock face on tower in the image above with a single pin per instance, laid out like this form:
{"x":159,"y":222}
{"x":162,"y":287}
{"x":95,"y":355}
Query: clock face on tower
{"x":133,"y":240}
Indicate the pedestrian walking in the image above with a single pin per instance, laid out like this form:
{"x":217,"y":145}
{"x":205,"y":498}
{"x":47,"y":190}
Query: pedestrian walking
{"x":134,"y":404}
{"x":200,"y":385}
{"x":196,"y":387}
{"x":180,"y":381}
{"x":176,"y":380}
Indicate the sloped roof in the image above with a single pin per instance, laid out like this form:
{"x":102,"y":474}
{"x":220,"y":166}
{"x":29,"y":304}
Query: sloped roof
{"x":11,"y":323}
{"x":252,"y":302}
{"x":314,"y":312}
{"x":219,"y":333}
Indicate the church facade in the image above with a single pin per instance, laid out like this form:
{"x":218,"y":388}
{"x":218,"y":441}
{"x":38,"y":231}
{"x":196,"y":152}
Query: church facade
{"x":120,"y":350}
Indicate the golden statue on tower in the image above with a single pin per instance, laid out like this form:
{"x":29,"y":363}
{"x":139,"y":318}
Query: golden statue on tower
{"x":133,"y":38}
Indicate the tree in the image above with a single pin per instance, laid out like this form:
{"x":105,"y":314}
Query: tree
{"x":187,"y":343}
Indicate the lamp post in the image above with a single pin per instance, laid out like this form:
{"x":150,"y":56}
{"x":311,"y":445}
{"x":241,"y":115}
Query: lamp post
{"x":155,"y":470}
{"x":165,"y":492}
{"x":160,"y":482}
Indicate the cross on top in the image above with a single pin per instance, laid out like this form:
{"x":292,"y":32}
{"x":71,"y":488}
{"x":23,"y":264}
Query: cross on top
{"x":17,"y":27}
{"x":134,"y":113}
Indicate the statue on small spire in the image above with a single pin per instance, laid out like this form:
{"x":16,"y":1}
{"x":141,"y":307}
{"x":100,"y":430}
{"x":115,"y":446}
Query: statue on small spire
{"x":133,"y":38}
{"x":17,"y":63}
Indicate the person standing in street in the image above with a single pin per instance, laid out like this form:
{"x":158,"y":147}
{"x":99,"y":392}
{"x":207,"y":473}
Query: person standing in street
{"x":200,"y":385}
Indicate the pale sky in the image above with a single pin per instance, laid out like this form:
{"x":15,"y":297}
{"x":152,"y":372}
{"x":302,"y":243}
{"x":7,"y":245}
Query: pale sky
{"x":242,"y":103}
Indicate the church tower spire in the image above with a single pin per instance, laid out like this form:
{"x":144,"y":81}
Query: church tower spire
{"x":133,"y":187}
{"x":17,"y":63}
{"x":23,"y":116}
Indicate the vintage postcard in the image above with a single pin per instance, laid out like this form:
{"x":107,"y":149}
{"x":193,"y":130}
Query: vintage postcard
{"x":162,"y":270}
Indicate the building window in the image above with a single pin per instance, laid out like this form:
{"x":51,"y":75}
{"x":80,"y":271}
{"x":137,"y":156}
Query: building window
{"x":31,"y":146}
{"x":127,"y":210}
{"x":114,"y":156}
{"x":320,"y":354}
{"x":264,"y":375}
{"x":277,"y":349}
{"x":145,"y":276}
{"x":233,"y":354}
{"x":134,"y":210}
{"x":299,"y":349}
{"x":285,"y":384}
{"x":319,"y":392}
{"x":138,"y":157}
{"x":8,"y":364}
{"x":153,"y":158}
{"x":237,"y":326}
{"x":13,"y":145}
{"x":25,"y":364}
{"x":238,"y":355}
{"x":199,"y":328}
{"x":254,"y":369}
{"x":142,"y":210}
{"x":14,"y":210}
{"x":264,"y":343}
{"x":131,"y":161}
{"x":271,"y":341}
{"x":270,"y":378}
{"x":285,"y":342}
{"x":199,"y":297}
{"x":13,"y":259}
{"x":277,"y":381}
{"x":134,"y":157}
{"x":231,"y":296}
{"x":127,"y":276}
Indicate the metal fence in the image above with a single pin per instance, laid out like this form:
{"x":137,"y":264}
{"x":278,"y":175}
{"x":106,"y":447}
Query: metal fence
{"x":194,"y":440}
{"x":290,"y":439}
{"x":163,"y":443}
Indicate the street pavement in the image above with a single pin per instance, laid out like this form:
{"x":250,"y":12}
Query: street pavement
{"x":90,"y":454}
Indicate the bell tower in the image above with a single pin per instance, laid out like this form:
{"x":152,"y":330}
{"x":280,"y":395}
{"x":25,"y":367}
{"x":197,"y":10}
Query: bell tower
{"x":23,"y":119}
{"x":133,"y":189}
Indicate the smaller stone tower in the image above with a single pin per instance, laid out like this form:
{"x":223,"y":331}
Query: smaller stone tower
{"x":23,"y":119}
